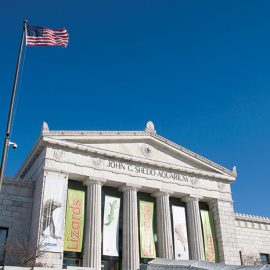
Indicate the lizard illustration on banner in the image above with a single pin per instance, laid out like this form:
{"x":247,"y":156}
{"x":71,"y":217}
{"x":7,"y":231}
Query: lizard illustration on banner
{"x":111,"y":216}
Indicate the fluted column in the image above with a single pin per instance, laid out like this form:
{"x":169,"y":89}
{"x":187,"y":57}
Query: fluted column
{"x":164,"y":227}
{"x":92,"y":240}
{"x":194,"y":228}
{"x":130,"y":249}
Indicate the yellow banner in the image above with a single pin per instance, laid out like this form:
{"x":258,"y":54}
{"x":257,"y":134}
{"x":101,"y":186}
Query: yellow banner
{"x":74,"y":221}
{"x":210,"y":249}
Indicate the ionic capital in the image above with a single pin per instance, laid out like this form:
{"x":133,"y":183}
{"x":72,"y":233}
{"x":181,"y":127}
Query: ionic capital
{"x":192,"y":198}
{"x":127,"y":187}
{"x":161,"y":193}
{"x":94,"y":181}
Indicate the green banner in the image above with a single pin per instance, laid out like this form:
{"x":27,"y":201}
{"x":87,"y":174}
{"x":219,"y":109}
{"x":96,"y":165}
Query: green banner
{"x":147,"y":244}
{"x":74,"y":221}
{"x":210,"y":249}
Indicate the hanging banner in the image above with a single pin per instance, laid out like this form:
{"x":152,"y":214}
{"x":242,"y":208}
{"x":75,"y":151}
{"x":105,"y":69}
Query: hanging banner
{"x":74,"y":220}
{"x":53,"y":212}
{"x":111,"y":226}
{"x":147,"y":244}
{"x":180,"y":233}
{"x":209,"y":236}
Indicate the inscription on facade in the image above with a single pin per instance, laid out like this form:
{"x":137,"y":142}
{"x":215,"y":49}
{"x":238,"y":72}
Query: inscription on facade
{"x":165,"y":174}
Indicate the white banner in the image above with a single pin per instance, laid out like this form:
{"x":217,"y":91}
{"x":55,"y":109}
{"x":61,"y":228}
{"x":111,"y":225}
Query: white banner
{"x":53,"y":212}
{"x":180,"y":233}
{"x":111,"y":226}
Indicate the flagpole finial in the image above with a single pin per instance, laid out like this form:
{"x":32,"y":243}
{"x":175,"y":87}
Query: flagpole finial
{"x":25,"y":24}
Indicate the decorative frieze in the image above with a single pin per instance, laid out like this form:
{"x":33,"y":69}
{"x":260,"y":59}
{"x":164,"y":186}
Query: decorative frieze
{"x":143,"y":170}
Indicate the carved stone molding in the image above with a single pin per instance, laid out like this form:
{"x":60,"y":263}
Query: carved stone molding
{"x":220,"y":185}
{"x":59,"y":155}
{"x":147,"y":150}
{"x":195,"y":181}
{"x":97,"y":163}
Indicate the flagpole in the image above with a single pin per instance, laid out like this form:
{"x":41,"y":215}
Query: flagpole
{"x":6,"y":141}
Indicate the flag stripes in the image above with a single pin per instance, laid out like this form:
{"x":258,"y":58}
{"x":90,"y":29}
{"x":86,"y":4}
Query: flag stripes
{"x":42,"y":36}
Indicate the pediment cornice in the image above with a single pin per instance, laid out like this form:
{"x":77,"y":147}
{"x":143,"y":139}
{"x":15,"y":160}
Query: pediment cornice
{"x":136,"y":135}
{"x":76,"y":140}
{"x":126,"y":158}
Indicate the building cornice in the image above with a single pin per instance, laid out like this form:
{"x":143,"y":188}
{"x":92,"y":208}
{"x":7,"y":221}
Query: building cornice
{"x":252,"y":218}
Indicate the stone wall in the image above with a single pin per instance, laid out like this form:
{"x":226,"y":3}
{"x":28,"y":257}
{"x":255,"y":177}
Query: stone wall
{"x":16,"y":208}
{"x":225,"y":229}
{"x":253,"y":234}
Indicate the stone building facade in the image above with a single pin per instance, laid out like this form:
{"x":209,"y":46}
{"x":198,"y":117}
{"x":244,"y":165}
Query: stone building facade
{"x":137,"y":166}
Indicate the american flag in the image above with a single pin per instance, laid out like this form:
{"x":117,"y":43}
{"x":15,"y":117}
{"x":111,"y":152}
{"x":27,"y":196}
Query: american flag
{"x":42,"y":36}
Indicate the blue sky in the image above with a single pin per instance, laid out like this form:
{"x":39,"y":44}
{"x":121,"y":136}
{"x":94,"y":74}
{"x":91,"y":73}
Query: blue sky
{"x":200,"y":70}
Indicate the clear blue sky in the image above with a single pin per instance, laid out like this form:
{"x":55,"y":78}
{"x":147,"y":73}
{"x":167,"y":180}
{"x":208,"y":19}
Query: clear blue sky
{"x":199,"y":69}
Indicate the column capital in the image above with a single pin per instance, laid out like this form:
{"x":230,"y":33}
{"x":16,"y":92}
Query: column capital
{"x":161,"y":192}
{"x":56,"y":171}
{"x":94,"y":180}
{"x":191,"y":198}
{"x":126,"y":187}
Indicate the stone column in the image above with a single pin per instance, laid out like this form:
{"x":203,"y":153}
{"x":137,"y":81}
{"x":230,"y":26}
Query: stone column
{"x":130,"y":249}
{"x":92,"y":241}
{"x":164,"y":227}
{"x":194,"y":228}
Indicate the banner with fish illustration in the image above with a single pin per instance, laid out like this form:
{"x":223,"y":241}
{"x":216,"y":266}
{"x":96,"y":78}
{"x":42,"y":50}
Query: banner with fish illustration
{"x":147,"y":244}
{"x":210,"y":249}
{"x":74,"y":220}
{"x":111,"y":226}
{"x":180,"y":233}
{"x":53,"y":212}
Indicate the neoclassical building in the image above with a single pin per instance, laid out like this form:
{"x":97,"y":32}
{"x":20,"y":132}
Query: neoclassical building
{"x":117,"y":199}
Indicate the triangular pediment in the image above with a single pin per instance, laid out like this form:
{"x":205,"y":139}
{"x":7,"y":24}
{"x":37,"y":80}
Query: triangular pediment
{"x":141,"y":146}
